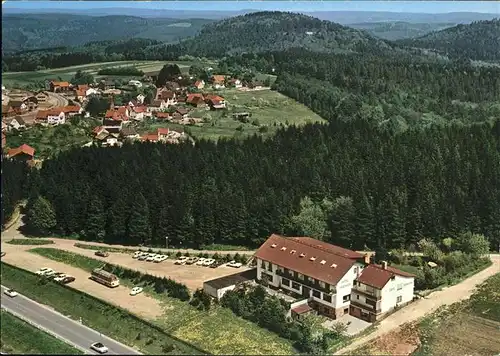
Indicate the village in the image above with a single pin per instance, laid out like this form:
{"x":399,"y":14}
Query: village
{"x":179,"y":102}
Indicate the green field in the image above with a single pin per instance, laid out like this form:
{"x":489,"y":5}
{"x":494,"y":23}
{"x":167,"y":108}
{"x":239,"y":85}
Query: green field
{"x":269,"y":111}
{"x":18,"y":79}
{"x":48,"y":141}
{"x":110,"y":320}
{"x":19,"y":337}
{"x":30,"y":242}
{"x":218,"y":331}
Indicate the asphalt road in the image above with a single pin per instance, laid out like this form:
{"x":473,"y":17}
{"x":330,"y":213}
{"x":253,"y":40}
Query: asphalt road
{"x":71,"y":331}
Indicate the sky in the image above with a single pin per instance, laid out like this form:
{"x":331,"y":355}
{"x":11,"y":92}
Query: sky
{"x":392,"y":6}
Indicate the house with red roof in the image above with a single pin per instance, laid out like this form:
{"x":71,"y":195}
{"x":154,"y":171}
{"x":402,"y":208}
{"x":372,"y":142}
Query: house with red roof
{"x":59,"y":86}
{"x":218,"y":81}
{"x":120,"y":113}
{"x":138,"y":113}
{"x":215,"y":102}
{"x":22,"y":153}
{"x":378,"y":290}
{"x":199,"y":84}
{"x":196,"y":100}
{"x":54,"y":116}
{"x":330,"y":279}
{"x":159,"y":115}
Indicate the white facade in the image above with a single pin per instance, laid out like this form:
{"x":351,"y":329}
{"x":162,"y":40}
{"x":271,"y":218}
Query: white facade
{"x":217,"y":293}
{"x":338,"y":298}
{"x":56,"y":119}
{"x":396,"y":292}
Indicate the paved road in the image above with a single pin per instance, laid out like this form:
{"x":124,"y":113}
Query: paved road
{"x":72,"y":332}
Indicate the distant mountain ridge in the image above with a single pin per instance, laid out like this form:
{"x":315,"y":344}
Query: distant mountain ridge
{"x":396,"y":30}
{"x":479,"y":41}
{"x":31,"y":31}
{"x":276,"y":31}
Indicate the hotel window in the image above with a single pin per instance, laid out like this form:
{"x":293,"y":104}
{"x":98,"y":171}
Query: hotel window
{"x":310,"y":279}
{"x":290,"y":272}
{"x":295,"y":286}
{"x":400,"y":286}
{"x":357,"y":296}
{"x":322,"y":284}
{"x":399,"y":300}
{"x":346,"y":298}
{"x":280,"y":269}
{"x":270,"y":267}
{"x":327,"y":298}
{"x":356,"y":270}
{"x":316,"y":294}
{"x":285,"y":282}
{"x":300,"y":276}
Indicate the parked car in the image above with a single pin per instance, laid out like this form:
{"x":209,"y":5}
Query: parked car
{"x":136,"y":290}
{"x":137,"y":254}
{"x":56,"y":275}
{"x":192,"y":260}
{"x":234,"y":264}
{"x":99,"y":347}
{"x":43,"y":271}
{"x":208,"y":262}
{"x":60,"y":277}
{"x":158,"y":259}
{"x":49,"y":274}
{"x":216,"y":264}
{"x":10,"y":292}
{"x":101,"y":254}
{"x":181,"y":260}
{"x":68,"y":279}
{"x":151,"y":257}
{"x":143,"y":256}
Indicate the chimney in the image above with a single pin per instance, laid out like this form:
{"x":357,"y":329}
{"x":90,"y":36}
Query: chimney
{"x":384,"y":264}
{"x":367,"y":258}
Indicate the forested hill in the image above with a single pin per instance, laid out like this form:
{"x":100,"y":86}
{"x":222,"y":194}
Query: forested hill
{"x":274,"y":31}
{"x":478,"y":40}
{"x":33,"y":31}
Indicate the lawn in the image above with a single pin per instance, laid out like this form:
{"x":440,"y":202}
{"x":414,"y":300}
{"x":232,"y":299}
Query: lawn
{"x":19,"y":337}
{"x":110,"y":320}
{"x":48,"y":141}
{"x":30,"y":242}
{"x":16,"y":79}
{"x":269,"y":111}
{"x":218,"y":331}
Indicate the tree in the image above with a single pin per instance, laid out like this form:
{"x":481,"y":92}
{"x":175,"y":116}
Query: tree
{"x":81,"y":78}
{"x":311,"y":220}
{"x":41,"y":216}
{"x":474,"y":244}
{"x":196,"y":70}
{"x":139,"y":230}
{"x":96,"y":106}
{"x":342,"y":221}
{"x":168,"y":72}
{"x":96,"y":220}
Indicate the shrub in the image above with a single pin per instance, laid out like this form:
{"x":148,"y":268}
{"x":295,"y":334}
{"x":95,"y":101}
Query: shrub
{"x":178,"y":254}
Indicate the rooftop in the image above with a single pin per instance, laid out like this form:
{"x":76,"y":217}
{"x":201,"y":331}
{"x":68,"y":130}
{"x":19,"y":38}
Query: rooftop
{"x":312,"y":258}
{"x":233,"y":279}
{"x":377,"y":276}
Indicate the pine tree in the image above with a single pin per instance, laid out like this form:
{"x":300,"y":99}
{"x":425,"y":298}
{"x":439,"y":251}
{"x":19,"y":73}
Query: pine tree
{"x":117,"y":220}
{"x":96,"y":220}
{"x":138,"y":228}
{"x":365,"y":225}
{"x":342,"y":222}
{"x":41,"y":216}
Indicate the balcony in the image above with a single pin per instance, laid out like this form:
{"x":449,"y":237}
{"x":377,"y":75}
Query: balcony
{"x":305,"y":282}
{"x":367,"y":294}
{"x":365,"y":307}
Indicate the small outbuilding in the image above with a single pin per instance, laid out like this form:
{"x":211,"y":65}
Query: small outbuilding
{"x":218,"y":287}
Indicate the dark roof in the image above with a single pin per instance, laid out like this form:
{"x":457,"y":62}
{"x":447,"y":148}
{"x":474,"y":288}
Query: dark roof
{"x":295,"y":254}
{"x":128,"y":131}
{"x":233,"y":279}
{"x":16,"y":103}
{"x":376,"y":276}
{"x":182,"y":111}
{"x":19,"y":120}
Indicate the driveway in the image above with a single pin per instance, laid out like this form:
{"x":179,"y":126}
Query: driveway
{"x":354,"y":325}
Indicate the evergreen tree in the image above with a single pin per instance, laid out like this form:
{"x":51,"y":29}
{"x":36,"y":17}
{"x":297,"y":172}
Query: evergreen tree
{"x":96,"y":220}
{"x":139,"y":230}
{"x":41,"y":216}
{"x":342,"y":222}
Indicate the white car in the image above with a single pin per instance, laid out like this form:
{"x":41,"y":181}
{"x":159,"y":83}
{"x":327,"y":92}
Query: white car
{"x":164,"y":257}
{"x":99,"y":347}
{"x":43,"y":271}
{"x":137,"y":254}
{"x":151,"y":257}
{"x":136,"y":290}
{"x":11,"y":293}
{"x":208,"y":262}
{"x":201,"y":261}
{"x":234,"y":264}
{"x":181,"y":260}
{"x":60,"y":277}
{"x":143,"y":256}
{"x":158,"y":259}
{"x":50,"y":274}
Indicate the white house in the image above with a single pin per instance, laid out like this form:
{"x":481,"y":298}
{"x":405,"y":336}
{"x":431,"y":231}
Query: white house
{"x":51,"y":117}
{"x":216,"y":288}
{"x":140,"y":98}
{"x":314,"y":270}
{"x":379,"y":289}
{"x":16,"y":123}
{"x":135,"y":83}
